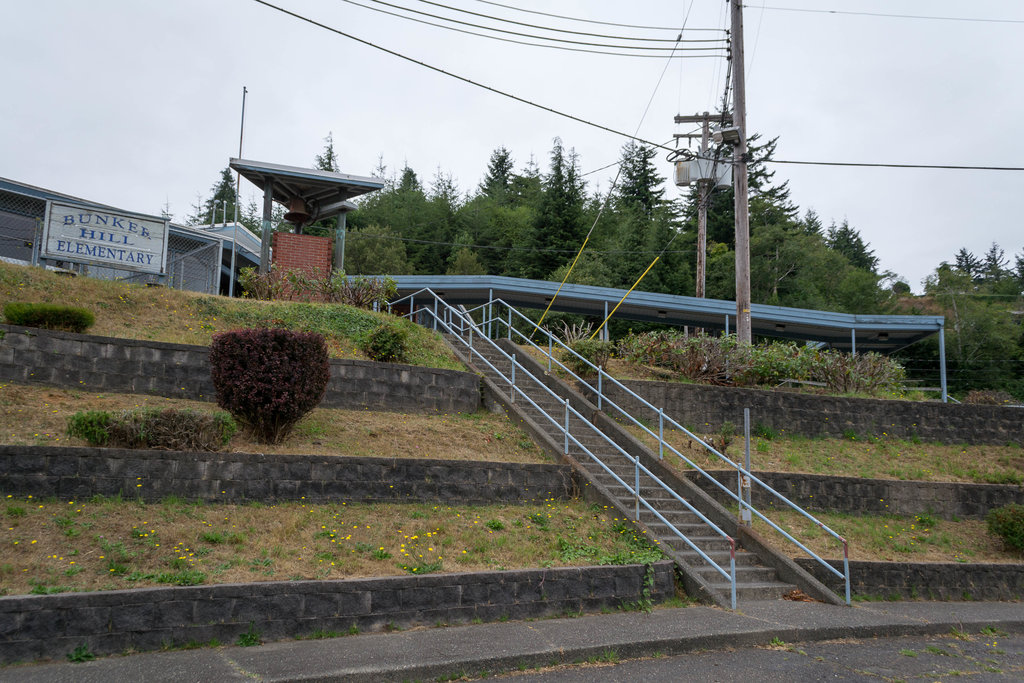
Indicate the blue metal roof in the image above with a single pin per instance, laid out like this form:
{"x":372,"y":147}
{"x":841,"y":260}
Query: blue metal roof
{"x":885,"y":333}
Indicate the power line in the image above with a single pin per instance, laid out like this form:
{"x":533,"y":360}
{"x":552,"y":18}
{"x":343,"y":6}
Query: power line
{"x":536,"y":37}
{"x":458,"y":77}
{"x":562,"y":30}
{"x":524,"y":42}
{"x":882,"y":165}
{"x":589,"y":21}
{"x":890,"y":16}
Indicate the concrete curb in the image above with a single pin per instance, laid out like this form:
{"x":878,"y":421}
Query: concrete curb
{"x":433,"y":653}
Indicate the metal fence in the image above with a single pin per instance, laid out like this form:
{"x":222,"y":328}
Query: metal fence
{"x":21,"y":222}
{"x":193,"y":261}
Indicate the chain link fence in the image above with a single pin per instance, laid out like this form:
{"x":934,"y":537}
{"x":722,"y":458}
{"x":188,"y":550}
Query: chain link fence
{"x":193,"y":260}
{"x":21,"y":224}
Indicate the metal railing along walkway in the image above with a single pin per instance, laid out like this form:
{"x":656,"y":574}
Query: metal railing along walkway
{"x":505,"y":320}
{"x":460,"y":325}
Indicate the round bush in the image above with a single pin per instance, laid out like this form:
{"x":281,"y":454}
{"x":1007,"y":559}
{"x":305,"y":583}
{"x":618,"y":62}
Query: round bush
{"x":269,"y":378}
{"x":1007,"y":523}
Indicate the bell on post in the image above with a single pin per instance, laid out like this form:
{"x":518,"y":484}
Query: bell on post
{"x":297,"y":213}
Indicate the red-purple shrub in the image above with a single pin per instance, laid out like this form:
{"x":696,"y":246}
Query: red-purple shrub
{"x":268,"y":379}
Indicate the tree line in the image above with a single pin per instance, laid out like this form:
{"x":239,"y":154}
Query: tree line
{"x":526,"y":221}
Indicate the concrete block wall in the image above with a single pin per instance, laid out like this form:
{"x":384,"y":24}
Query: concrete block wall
{"x":80,"y":361}
{"x":72,"y":473}
{"x":926,"y":581}
{"x":706,"y":408}
{"x":852,"y":495}
{"x":108,"y":622}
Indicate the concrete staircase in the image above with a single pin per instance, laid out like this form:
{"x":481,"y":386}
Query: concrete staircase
{"x":605,"y":462}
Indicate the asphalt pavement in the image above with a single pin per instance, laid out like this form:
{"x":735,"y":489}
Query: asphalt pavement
{"x":474,"y":650}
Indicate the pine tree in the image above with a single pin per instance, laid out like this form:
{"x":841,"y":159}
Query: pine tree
{"x":558,"y":230}
{"x":847,"y":241}
{"x":325,"y":161}
{"x":497,"y":183}
{"x":222,"y":191}
{"x":328,"y":160}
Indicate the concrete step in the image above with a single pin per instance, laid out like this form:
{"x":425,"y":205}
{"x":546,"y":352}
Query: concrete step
{"x":767,"y":590}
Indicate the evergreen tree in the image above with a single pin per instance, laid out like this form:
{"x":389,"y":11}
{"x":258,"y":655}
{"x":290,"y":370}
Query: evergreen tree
{"x":967,"y":263}
{"x":222,"y":191}
{"x":497,"y":183}
{"x":811,"y":224}
{"x":375,"y":250}
{"x":328,"y":159}
{"x":847,"y":241}
{"x":325,"y":161}
{"x":558,"y":230}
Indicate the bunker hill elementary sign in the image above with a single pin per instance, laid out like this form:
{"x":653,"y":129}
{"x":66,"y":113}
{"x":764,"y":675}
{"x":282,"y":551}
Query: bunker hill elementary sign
{"x":119,"y":240}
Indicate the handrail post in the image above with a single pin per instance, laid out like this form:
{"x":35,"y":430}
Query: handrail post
{"x":549,"y":353}
{"x":512,"y":382}
{"x":435,"y":314}
{"x":509,"y":323}
{"x":471,"y":341}
{"x":567,"y":426}
{"x":412,"y":307}
{"x":732,"y":569}
{"x":600,"y":374}
{"x":661,"y":433}
{"x":846,"y":569}
{"x":636,"y":484}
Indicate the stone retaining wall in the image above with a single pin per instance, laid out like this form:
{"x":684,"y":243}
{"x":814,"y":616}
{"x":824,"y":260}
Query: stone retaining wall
{"x":856,"y":496}
{"x":108,"y":622}
{"x":926,"y":581}
{"x":80,"y":361}
{"x":705,"y":408}
{"x":232,"y":477}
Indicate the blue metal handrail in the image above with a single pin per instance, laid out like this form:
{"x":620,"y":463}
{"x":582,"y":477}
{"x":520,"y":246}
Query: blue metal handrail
{"x":447,"y":321}
{"x":662,"y":444}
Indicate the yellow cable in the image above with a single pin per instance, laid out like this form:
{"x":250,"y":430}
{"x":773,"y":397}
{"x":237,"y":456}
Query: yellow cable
{"x":605,"y":321}
{"x":567,"y":274}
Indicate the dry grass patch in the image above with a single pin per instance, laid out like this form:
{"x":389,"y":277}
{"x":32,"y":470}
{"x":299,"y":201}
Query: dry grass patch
{"x":32,"y":415}
{"x":52,"y":546}
{"x":169,"y":315}
{"x":891,"y":538}
{"x":869,"y":458}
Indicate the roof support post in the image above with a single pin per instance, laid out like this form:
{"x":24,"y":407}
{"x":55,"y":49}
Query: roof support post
{"x":268,"y":212}
{"x":942,"y":363}
{"x":339,"y":243}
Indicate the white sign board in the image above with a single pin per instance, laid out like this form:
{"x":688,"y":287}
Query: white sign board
{"x":115,"y":240}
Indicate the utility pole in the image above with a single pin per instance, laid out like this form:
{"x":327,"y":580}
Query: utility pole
{"x":743,"y":333}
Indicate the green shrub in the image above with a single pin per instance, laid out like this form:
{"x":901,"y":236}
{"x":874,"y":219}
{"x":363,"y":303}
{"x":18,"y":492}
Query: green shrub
{"x":387,"y":344}
{"x":90,"y":425}
{"x":596,"y":351}
{"x":49,"y":316}
{"x":269,"y":379}
{"x":171,"y":429}
{"x":861,"y":373}
{"x":1007,"y":523}
{"x":333,"y":286}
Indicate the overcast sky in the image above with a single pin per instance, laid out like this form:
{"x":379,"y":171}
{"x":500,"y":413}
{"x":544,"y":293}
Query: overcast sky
{"x":137,"y":103}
